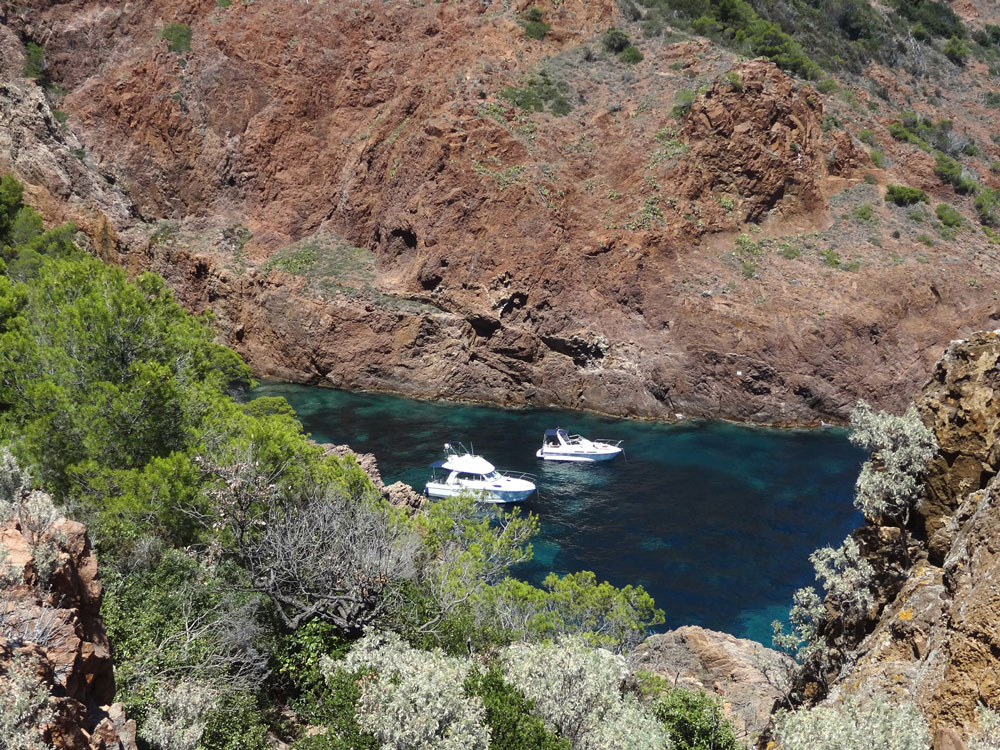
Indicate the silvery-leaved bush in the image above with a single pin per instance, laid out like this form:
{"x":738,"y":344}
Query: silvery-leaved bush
{"x":178,"y":720}
{"x":987,"y":735}
{"x":415,"y":699}
{"x":24,"y":706}
{"x":576,"y":690}
{"x":872,"y":725}
{"x":901,"y":446}
{"x":14,"y":482}
{"x":846,"y":576}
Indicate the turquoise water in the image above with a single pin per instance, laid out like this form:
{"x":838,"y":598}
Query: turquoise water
{"x":715,"y":520}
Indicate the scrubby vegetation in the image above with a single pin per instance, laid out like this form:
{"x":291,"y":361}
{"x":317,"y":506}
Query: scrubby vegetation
{"x":903,"y":195}
{"x":255,"y":585}
{"x":242,"y":565}
{"x":806,"y":37}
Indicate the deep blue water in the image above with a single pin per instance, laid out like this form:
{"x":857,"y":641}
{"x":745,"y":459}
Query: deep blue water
{"x":715,"y":520}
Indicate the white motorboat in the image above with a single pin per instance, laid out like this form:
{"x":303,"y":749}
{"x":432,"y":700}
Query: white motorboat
{"x":462,"y":471}
{"x":559,"y":445}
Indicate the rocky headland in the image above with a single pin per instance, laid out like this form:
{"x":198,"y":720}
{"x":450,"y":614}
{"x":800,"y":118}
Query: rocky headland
{"x":935,"y":640}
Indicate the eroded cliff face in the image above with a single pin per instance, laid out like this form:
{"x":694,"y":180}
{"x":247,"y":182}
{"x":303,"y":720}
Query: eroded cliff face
{"x":937,"y":641}
{"x":50,"y":599}
{"x":353,"y":190}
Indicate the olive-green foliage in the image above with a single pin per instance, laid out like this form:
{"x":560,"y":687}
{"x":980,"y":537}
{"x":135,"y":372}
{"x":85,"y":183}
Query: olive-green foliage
{"x":341,"y":730}
{"x":948,"y":215}
{"x":615,"y":40}
{"x":178,"y":37}
{"x":903,"y":195}
{"x":683,"y":101}
{"x":630,"y":55}
{"x":321,"y":700}
{"x":864,"y":212}
{"x":932,"y":16}
{"x":536,"y":29}
{"x":465,"y":591}
{"x":988,"y":206}
{"x":694,"y":721}
{"x":236,"y":724}
{"x":950,"y":171}
{"x":575,"y":604}
{"x":805,"y":36}
{"x":174,"y":616}
{"x":509,"y":715}
{"x":956,"y":50}
{"x":533,"y":20}
{"x":540,"y":92}
{"x":34,"y":60}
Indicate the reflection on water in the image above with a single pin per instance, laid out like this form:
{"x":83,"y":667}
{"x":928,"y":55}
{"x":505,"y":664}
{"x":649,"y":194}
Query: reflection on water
{"x":716,"y":520}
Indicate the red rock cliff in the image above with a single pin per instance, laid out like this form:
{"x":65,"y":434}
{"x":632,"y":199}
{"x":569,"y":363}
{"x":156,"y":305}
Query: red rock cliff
{"x":352,"y":188}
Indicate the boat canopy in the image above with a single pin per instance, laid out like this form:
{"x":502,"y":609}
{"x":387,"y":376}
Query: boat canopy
{"x":556,"y":432}
{"x":467,"y":463}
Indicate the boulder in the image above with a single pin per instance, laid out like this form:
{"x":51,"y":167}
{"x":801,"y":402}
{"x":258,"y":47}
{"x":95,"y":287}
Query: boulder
{"x":748,"y":677}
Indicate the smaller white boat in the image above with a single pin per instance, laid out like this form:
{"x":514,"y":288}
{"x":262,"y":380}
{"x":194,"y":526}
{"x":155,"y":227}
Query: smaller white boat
{"x":463,"y":471}
{"x":559,"y":445}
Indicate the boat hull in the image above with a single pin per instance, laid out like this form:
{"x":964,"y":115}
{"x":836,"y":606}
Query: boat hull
{"x":438,"y":489}
{"x":589,"y":458}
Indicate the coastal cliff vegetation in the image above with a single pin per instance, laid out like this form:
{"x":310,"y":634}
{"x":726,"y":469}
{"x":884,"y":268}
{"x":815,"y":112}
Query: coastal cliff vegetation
{"x":258,"y":588}
{"x":241,"y":563}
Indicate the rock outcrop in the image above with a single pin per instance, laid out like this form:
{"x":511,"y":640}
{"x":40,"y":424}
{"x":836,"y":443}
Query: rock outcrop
{"x":355,"y":192}
{"x":399,"y":494}
{"x":937,"y":642}
{"x":50,"y":600}
{"x":747,"y":677}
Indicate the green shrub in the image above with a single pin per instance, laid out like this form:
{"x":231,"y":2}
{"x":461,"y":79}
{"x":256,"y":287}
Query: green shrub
{"x":630,"y":55}
{"x":934,"y":17}
{"x":870,"y":179}
{"x":536,"y":29}
{"x":694,"y":721}
{"x":864,"y":212}
{"x":237,"y":723}
{"x":615,"y":40}
{"x":951,"y":171}
{"x":683,"y":101}
{"x":903,"y":195}
{"x":178,"y":37}
{"x":34,"y":60}
{"x":956,"y":50}
{"x":533,"y":20}
{"x":867,"y":137}
{"x":948,"y":215}
{"x":987,"y":206}
{"x":539,"y":93}
{"x":877,"y":157}
{"x":830,"y":257}
{"x":827,"y":86}
{"x":509,"y":715}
